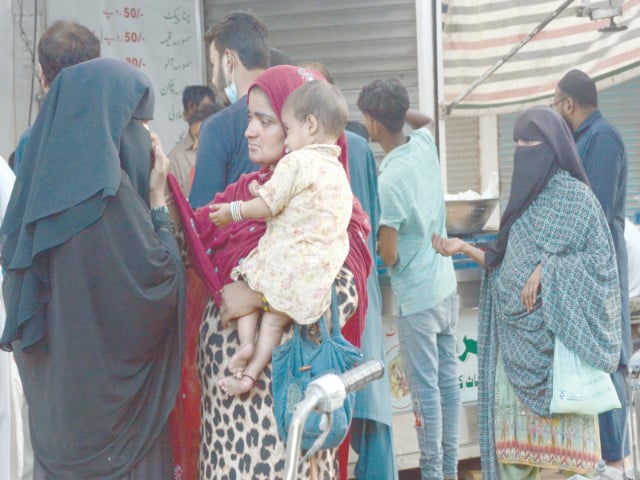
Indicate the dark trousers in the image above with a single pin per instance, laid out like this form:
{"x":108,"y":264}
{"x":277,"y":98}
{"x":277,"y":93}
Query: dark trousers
{"x":613,"y":427}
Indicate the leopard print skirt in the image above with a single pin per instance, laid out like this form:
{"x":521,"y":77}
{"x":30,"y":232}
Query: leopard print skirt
{"x":238,"y":434}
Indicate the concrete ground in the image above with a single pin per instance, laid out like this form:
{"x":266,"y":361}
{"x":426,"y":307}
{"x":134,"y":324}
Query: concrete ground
{"x":470,"y":470}
{"x":476,"y":475}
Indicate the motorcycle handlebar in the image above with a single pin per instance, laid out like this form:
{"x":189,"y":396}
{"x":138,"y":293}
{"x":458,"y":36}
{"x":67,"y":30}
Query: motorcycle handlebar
{"x":357,"y":378}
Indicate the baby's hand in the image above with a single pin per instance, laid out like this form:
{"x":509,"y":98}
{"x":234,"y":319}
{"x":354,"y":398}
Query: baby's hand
{"x":221,"y":214}
{"x":253,"y":188}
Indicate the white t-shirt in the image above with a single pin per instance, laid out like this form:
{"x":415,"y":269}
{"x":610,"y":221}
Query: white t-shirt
{"x":632,"y":240}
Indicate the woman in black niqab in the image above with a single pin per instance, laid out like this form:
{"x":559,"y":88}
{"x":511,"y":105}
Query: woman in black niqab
{"x":94,"y":282}
{"x":559,"y":257}
{"x":533,"y":167}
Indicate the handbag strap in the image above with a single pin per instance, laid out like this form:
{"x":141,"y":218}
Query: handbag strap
{"x":335,"y":320}
{"x":336,"y":331}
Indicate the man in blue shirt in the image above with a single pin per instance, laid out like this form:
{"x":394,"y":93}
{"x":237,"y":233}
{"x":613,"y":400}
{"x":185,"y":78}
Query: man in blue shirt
{"x":239,"y":52}
{"x":603,"y":154}
{"x":423,"y":282}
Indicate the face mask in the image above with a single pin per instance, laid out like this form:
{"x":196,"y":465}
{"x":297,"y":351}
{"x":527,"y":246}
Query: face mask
{"x":231,"y":90}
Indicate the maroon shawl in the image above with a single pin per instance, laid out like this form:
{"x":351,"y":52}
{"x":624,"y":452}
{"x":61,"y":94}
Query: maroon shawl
{"x":216,"y":251}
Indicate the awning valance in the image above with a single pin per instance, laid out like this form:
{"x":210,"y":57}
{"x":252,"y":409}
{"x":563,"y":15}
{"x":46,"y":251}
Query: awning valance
{"x":478,"y":33}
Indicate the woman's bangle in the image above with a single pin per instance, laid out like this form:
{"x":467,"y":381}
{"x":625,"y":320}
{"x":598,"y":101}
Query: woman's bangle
{"x":236,"y":212}
{"x":161,"y":218}
{"x":233,"y":206}
{"x":160,"y":208}
{"x":265,"y":304}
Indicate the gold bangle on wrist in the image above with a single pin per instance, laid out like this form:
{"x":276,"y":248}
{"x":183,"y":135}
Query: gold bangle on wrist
{"x":265,"y":304}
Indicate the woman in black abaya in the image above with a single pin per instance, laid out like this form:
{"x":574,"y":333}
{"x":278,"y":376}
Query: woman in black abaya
{"x":94,"y":281}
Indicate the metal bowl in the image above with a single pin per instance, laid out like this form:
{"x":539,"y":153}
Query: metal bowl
{"x":468,"y":216}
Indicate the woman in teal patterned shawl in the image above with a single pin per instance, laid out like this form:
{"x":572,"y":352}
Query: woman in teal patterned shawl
{"x":552,"y":272}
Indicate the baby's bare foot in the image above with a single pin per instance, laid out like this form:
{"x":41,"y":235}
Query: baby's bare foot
{"x":236,"y":386}
{"x":239,"y":360}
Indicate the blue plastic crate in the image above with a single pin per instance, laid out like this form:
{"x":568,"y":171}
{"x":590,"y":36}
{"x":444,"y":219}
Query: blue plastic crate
{"x":469,"y":264}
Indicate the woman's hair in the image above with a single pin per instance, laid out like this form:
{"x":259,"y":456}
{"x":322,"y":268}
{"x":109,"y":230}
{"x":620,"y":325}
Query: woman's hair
{"x":64,"y":44}
{"x":244,"y":33}
{"x":385,"y":101}
{"x":322,"y":100}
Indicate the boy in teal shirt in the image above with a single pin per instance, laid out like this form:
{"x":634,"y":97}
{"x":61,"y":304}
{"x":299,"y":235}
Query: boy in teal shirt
{"x":423,"y":282}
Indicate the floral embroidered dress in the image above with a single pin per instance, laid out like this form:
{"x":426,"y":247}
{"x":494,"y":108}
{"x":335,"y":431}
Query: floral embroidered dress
{"x":306,"y":242}
{"x":567,"y":442}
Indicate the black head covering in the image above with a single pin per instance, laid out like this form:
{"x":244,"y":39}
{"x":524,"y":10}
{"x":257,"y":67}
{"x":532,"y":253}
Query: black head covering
{"x":86,"y":134}
{"x":534,"y":166}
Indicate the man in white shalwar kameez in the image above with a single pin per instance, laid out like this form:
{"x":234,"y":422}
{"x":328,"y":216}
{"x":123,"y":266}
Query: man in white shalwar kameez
{"x":16,"y":457}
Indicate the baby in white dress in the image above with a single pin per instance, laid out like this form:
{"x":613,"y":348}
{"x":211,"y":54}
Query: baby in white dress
{"x":307,"y":203}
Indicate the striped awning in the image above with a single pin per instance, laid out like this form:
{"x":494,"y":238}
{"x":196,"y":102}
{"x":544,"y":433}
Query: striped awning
{"x":478,"y":33}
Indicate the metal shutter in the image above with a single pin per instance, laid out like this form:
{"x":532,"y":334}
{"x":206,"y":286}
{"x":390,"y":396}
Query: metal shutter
{"x":617,"y":105}
{"x":359,"y":41}
{"x":463,"y":155}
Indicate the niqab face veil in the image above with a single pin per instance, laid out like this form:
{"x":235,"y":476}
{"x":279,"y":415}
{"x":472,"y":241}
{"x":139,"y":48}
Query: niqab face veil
{"x":86,"y":135}
{"x":533,"y":167}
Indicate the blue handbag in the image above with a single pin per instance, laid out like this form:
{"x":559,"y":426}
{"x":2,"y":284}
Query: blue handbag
{"x":301,"y":360}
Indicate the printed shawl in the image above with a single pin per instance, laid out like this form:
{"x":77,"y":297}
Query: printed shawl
{"x":565,"y":231}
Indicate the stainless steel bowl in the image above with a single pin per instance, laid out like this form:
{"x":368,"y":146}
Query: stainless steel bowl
{"x":468,"y":216}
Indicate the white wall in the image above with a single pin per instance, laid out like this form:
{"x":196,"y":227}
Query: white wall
{"x":163,"y":38}
{"x":15,"y":81}
{"x":15,"y":58}
{"x":6,"y":80}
